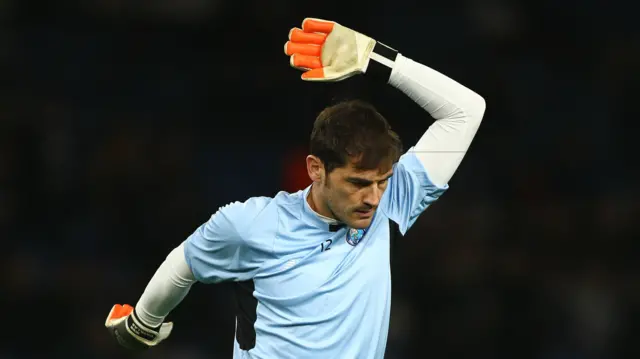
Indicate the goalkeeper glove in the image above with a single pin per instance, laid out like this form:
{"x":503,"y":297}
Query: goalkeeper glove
{"x":130,"y":332}
{"x":329,"y":52}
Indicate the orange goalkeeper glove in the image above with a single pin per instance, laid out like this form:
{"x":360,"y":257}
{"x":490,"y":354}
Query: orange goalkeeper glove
{"x":329,"y":52}
{"x":123,"y":323}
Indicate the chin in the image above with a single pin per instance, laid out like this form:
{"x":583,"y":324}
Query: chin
{"x":360,"y":223}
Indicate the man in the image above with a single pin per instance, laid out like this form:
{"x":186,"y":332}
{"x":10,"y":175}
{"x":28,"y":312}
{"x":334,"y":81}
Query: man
{"x":312,"y":268}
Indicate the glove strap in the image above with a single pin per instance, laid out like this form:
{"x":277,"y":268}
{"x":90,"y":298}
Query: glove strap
{"x":137,"y":328}
{"x":381,"y":62}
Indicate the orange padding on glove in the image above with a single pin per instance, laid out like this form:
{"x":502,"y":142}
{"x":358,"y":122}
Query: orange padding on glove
{"x":120,"y":311}
{"x":305,"y":46}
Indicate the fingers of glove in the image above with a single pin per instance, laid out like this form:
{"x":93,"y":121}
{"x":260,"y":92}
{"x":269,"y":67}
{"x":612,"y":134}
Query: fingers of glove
{"x":126,"y":310}
{"x":299,"y":36}
{"x":291,"y":48}
{"x":118,"y":312}
{"x":328,"y":74}
{"x":305,"y":61}
{"x":317,"y":25}
{"x":314,"y":75}
{"x":113,"y":312}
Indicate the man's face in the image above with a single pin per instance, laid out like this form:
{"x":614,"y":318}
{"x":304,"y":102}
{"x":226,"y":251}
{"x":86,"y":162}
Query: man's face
{"x":353,"y":195}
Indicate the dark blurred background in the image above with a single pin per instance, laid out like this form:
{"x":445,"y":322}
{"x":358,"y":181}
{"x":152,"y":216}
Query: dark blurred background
{"x":125,"y":124}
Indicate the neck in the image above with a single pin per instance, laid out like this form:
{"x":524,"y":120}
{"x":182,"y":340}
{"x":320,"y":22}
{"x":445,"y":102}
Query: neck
{"x":317,"y":204}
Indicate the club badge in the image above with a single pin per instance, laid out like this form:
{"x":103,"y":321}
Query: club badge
{"x":354,"y":236}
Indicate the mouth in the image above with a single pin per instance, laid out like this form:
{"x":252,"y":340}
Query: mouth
{"x":364,"y":213}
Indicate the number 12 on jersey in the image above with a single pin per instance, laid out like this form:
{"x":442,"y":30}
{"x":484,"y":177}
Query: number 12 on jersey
{"x":326,"y":245}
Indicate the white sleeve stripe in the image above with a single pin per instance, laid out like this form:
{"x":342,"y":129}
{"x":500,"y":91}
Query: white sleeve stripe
{"x":381,"y":59}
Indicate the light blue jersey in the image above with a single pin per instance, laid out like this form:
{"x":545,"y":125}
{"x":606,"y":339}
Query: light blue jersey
{"x":307,"y":289}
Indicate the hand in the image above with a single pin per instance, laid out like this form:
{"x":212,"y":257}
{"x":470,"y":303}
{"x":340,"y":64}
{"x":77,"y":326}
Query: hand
{"x":328,"y":51}
{"x":130,"y":332}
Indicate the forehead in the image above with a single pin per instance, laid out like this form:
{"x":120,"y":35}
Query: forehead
{"x":371,"y":174}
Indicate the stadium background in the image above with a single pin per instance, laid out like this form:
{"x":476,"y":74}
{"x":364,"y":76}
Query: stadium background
{"x":125,"y":124}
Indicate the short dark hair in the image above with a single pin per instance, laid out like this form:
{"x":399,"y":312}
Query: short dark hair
{"x":354,"y":131}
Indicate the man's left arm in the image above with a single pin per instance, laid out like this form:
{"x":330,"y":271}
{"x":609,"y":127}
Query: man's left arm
{"x":457,"y":110}
{"x":423,"y":173}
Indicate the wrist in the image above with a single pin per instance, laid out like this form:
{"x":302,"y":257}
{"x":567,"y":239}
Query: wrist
{"x":382,"y":60}
{"x":141,"y":329}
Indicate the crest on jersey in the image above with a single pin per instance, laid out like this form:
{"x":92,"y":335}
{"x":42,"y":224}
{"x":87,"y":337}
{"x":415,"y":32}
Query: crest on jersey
{"x":354,"y":236}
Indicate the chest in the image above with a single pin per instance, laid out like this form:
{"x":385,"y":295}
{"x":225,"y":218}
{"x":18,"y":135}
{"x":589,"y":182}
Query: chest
{"x":314,"y":262}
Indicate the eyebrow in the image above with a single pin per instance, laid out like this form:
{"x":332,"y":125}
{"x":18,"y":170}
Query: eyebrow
{"x":364,"y":181}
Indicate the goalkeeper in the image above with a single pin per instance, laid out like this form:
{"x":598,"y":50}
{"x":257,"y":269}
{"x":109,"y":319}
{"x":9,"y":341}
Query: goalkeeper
{"x":311,"y":268}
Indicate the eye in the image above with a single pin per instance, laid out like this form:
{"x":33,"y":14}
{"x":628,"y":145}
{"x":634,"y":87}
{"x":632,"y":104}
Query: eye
{"x":359,"y":184}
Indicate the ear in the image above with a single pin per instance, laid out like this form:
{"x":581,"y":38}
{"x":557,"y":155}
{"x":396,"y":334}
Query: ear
{"x":315,"y":168}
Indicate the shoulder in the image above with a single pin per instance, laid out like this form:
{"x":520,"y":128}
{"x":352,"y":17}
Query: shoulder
{"x":260,"y":216}
{"x":242,"y":214}
{"x":410,"y":162}
{"x":410,"y":172}
{"x":246,"y":210}
{"x":254,"y":206}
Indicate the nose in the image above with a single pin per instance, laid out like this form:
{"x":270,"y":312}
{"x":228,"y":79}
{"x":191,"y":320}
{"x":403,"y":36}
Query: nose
{"x":372,"y":196}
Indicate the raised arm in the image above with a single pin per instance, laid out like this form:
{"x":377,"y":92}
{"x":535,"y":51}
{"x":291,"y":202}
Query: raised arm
{"x":328,"y":52}
{"x":457,"y":110}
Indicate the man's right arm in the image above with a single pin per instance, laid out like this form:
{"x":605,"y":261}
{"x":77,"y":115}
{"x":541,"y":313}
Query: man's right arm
{"x":215,"y":252}
{"x":144,"y":326}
